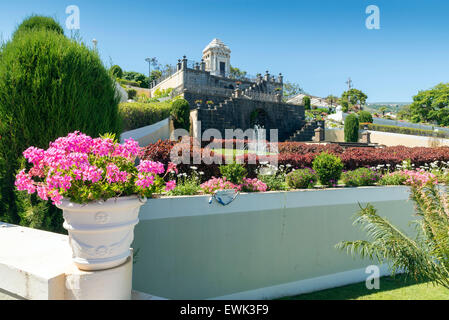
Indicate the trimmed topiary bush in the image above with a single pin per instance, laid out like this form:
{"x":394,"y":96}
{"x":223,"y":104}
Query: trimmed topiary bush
{"x":180,"y":112}
{"x":49,"y":86}
{"x":351,"y":128}
{"x":35,"y":23}
{"x":365,"y":117}
{"x":328,"y":168}
{"x":302,"y":179}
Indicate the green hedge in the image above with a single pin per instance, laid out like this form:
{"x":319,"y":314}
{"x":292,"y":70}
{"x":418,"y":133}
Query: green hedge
{"x":50,"y":85}
{"x":351,"y":128}
{"x":137,"y":115}
{"x":35,"y":23}
{"x":405,"y":130}
{"x":129,"y":83}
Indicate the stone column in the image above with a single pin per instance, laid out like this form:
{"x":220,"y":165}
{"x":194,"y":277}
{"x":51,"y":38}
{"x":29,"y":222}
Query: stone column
{"x":319,"y":135}
{"x":184,"y":63}
{"x":281,"y":78}
{"x":267,"y":76}
{"x":237,"y":93}
{"x":278,"y":98}
{"x":366,"y":137}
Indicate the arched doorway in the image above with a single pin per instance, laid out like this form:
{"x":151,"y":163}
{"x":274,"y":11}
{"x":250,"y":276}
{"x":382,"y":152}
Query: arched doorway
{"x":259,"y":117}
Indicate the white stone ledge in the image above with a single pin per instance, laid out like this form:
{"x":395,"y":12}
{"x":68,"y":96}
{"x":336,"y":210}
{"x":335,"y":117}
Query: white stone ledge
{"x":37,"y":265}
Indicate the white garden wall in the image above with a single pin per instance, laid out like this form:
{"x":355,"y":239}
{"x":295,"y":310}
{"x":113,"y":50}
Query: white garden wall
{"x":149,"y":134}
{"x":261,"y":246}
{"x":390,"y":139}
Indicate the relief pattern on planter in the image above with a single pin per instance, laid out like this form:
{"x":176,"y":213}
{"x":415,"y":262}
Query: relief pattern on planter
{"x":86,"y":251}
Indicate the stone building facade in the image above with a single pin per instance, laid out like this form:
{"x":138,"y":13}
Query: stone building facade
{"x":221,"y":101}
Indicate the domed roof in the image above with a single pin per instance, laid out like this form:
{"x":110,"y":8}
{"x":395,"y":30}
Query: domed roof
{"x":217,"y":44}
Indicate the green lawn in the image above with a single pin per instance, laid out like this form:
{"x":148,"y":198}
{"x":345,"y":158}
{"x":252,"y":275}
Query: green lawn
{"x":390,"y":289}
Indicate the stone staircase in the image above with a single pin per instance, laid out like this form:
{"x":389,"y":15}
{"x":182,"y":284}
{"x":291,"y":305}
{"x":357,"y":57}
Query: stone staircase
{"x":306,"y":133}
{"x":234,"y":113}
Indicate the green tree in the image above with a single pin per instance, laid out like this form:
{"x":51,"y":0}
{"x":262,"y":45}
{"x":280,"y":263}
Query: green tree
{"x":306,"y":102}
{"x":424,"y":256}
{"x":237,"y":74}
{"x":431,"y":105}
{"x":137,"y":77}
{"x":155,"y":74}
{"x":331,"y":99}
{"x":180,"y":112}
{"x":352,"y":128}
{"x":383,"y":110}
{"x":353,"y":97}
{"x":291,"y":89}
{"x":405,"y":113}
{"x":49,"y":86}
{"x":365,"y":117}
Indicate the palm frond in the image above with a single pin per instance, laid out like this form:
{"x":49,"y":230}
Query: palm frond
{"x":423,"y":257}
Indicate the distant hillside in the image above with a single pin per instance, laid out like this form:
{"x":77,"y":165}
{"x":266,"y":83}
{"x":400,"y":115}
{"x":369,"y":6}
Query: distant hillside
{"x":388,"y":103}
{"x":391,"y":106}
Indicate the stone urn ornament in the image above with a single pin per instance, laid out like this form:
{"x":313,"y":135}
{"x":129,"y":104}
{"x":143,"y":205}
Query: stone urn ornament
{"x":100,"y":190}
{"x":101,"y":232}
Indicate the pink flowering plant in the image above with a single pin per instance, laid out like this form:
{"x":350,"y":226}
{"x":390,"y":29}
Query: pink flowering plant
{"x":85,"y":169}
{"x":216,"y":184}
{"x":419,"y":177}
{"x":248,"y":185}
{"x":253,"y":185}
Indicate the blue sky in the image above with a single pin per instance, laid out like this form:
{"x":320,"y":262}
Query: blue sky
{"x":317,"y":44}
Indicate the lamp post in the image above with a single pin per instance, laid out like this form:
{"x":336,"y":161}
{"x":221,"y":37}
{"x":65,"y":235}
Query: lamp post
{"x":95,"y":42}
{"x":149,"y":60}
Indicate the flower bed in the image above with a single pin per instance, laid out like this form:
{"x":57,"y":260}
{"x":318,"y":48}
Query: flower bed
{"x":362,"y":166}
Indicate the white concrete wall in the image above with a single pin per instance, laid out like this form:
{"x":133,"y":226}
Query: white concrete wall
{"x":261,"y":246}
{"x":172,"y":82}
{"x":390,"y":139}
{"x":149,"y":134}
{"x":37,"y":265}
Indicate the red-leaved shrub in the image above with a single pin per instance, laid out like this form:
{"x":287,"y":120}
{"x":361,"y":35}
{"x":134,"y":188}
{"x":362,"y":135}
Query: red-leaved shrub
{"x":301,"y":155}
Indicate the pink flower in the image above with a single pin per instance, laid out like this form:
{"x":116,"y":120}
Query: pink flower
{"x":132,"y":148}
{"x":92,"y":173}
{"x":145,"y":181}
{"x":84,"y":166}
{"x":172,"y":168}
{"x":151,"y":167}
{"x":34,"y":155}
{"x":103,"y":147}
{"x":216,"y":184}
{"x":253,"y":185}
{"x":24,"y":182}
{"x":56,"y":197}
{"x":113,"y":174}
{"x":170,"y":185}
{"x":43,"y":192}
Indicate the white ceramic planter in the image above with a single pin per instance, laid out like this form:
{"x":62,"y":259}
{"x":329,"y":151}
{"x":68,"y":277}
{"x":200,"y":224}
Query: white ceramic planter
{"x":101,"y":232}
